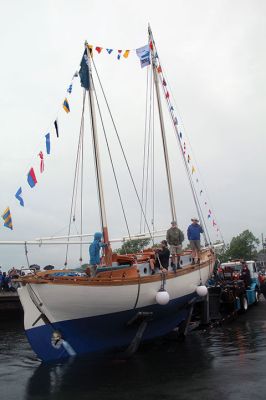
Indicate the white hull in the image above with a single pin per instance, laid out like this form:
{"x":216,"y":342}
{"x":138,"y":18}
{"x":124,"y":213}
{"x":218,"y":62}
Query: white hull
{"x":71,"y":307}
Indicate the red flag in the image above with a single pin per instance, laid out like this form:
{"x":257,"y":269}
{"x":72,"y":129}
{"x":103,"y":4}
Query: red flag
{"x":151,"y":45}
{"x":98,"y":49}
{"x":42,"y":162}
{"x":167,"y":95}
{"x":31,"y":178}
{"x":159,"y":69}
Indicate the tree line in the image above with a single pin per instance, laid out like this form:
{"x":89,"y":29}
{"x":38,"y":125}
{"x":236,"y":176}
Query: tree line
{"x":241,"y":246}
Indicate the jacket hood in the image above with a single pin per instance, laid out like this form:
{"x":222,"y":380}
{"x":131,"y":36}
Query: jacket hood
{"x":98,"y":236}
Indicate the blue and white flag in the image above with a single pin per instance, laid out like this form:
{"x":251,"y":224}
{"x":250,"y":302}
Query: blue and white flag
{"x":144,"y":55}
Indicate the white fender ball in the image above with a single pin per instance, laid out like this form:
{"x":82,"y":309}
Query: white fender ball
{"x":202,"y":290}
{"x":162,"y":297}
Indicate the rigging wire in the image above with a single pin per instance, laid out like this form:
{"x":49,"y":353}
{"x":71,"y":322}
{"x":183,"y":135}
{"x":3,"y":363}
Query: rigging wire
{"x":162,"y":128}
{"x":148,"y":147}
{"x":150,"y":156}
{"x":76,"y":195}
{"x":112,"y":164}
{"x":194,"y":193}
{"x":194,"y":157}
{"x":153,"y":165}
{"x":144,"y":147}
{"x":81,"y":191}
{"x":76,"y":172}
{"x":193,"y":189}
{"x":122,"y":149}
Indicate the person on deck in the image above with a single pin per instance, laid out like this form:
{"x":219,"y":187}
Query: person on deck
{"x":94,"y":250}
{"x":193,"y":234}
{"x":175,"y":238}
{"x":162,"y":256}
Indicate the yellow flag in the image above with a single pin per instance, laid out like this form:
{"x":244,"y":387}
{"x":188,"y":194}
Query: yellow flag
{"x":90,"y":47}
{"x":126,"y":53}
{"x":193,"y":169}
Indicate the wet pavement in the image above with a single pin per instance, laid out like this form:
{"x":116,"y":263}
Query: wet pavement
{"x":224,"y":363}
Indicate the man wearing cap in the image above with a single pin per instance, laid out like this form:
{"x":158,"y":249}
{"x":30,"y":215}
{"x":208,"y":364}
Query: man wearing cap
{"x":193,"y":234}
{"x":175,"y":237}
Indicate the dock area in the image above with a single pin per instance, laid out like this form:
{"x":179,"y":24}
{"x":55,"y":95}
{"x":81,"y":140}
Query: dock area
{"x":9,"y":303}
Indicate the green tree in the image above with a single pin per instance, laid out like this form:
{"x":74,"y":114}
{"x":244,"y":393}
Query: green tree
{"x":133,"y":246}
{"x":242,"y":246}
{"x":223,"y":253}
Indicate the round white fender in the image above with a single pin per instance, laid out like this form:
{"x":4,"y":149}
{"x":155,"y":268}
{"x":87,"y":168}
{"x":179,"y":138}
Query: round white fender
{"x":202,"y":290}
{"x":162,"y":297}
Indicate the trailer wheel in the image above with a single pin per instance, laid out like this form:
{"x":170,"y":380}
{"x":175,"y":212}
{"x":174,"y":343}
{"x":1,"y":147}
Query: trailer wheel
{"x":244,"y":304}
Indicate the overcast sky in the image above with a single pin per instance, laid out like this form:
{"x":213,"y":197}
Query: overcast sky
{"x":213,"y":54}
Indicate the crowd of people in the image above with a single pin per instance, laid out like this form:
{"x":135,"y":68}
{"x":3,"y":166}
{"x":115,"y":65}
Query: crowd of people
{"x":6,"y":283}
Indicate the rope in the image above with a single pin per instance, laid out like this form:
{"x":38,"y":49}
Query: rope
{"x":194,"y":194}
{"x":153,"y":164}
{"x":191,"y":183}
{"x":144,"y":148}
{"x":137,"y":298}
{"x":121,"y":146}
{"x":26,"y":253}
{"x":76,"y":172}
{"x":148,"y":147}
{"x":112,"y":164}
{"x":200,"y":275}
{"x":81,"y":192}
{"x":163,"y":279}
{"x":194,"y":157}
{"x":148,"y":153}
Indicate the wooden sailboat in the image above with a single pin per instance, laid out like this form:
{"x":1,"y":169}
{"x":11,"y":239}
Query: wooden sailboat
{"x":68,"y":315}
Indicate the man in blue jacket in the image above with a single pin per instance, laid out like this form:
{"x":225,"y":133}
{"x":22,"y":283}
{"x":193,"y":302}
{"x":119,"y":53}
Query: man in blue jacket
{"x":193,"y":234}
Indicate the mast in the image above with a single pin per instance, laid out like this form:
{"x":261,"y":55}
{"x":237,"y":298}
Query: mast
{"x":158,"y":96}
{"x":99,"y":180}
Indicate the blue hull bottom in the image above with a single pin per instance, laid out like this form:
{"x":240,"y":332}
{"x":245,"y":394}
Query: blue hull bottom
{"x":105,"y":332}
